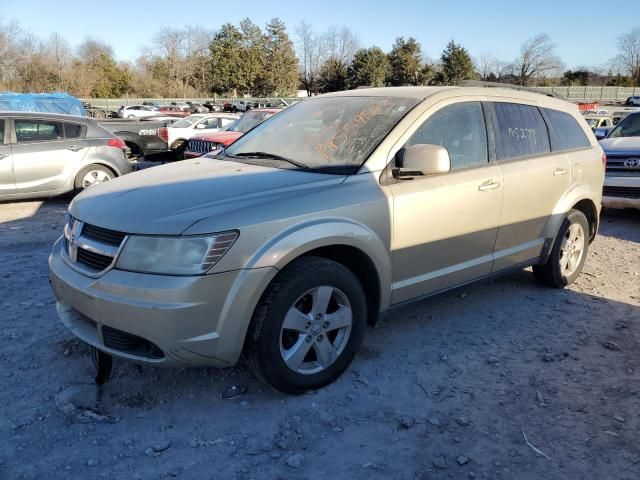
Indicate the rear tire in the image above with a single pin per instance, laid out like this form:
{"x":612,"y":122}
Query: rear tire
{"x":568,"y":254}
{"x":92,"y":175}
{"x":308,"y":325}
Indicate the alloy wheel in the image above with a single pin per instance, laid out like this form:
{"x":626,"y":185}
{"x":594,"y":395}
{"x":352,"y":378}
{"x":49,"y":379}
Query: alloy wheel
{"x":316,"y":330}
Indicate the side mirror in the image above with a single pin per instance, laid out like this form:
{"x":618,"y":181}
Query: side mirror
{"x":600,"y":134}
{"x":421,"y":160}
{"x":200,"y":126}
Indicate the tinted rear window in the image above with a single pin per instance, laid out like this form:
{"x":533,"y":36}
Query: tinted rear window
{"x":565,"y":132}
{"x":73,"y":130}
{"x":520,"y":131}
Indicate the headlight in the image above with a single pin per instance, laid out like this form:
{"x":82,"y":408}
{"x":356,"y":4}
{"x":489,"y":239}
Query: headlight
{"x":174,"y":255}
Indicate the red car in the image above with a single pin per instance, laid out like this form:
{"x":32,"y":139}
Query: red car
{"x":173,"y":112}
{"x":201,"y":144}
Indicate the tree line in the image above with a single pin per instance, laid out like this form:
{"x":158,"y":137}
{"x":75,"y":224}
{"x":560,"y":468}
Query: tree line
{"x":247,"y":59}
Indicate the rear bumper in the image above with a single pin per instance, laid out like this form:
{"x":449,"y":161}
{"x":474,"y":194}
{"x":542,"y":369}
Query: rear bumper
{"x":156,"y":319}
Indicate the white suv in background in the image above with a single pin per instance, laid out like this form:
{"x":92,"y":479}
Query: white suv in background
{"x":137,"y":111}
{"x":178,"y":134}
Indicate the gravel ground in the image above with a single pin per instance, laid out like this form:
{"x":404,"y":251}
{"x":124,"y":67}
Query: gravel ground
{"x":445,"y":388}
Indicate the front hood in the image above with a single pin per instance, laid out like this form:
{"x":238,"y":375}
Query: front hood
{"x":621,"y":143}
{"x":170,"y":198}
{"x":220,"y":137}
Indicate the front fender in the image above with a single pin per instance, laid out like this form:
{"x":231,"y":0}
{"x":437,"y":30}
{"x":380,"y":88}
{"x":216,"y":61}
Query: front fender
{"x":302,"y":238}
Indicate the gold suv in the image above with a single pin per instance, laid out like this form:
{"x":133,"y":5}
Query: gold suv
{"x":286,"y":244}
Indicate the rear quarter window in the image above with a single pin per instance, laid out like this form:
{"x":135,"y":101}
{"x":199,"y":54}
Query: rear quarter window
{"x":565,"y":132}
{"x":74,"y":130}
{"x":519,"y":131}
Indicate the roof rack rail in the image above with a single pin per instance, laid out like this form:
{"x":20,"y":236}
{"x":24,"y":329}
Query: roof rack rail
{"x":480,"y":83}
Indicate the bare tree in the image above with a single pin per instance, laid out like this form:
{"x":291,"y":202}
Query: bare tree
{"x":488,"y":64}
{"x":629,"y":54}
{"x":197,"y":56}
{"x":59,"y":52}
{"x":10,"y":34}
{"x":537,"y":59}
{"x":91,"y":50}
{"x":309,"y":53}
{"x":340,"y":44}
{"x":169,"y":44}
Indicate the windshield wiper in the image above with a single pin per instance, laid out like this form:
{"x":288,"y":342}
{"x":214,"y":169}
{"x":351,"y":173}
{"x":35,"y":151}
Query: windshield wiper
{"x":270,"y":156}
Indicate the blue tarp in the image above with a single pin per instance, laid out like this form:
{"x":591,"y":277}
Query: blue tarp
{"x":41,"y":102}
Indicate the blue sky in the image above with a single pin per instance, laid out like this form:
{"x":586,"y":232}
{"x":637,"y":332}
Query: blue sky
{"x":498,"y":27}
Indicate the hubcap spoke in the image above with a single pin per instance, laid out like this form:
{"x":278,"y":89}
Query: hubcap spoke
{"x":341,"y":318}
{"x":321,"y":297}
{"x":325,"y":352}
{"x":296,"y":320}
{"x":295,"y":355}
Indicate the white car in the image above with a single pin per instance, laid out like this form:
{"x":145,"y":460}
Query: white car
{"x":137,"y":111}
{"x":179,"y":133}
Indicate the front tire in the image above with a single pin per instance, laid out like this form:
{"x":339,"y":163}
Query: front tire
{"x":568,"y":254}
{"x":178,"y":147}
{"x":308,"y":325}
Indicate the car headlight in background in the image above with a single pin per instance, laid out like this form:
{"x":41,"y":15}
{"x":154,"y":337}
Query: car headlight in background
{"x":174,"y":255}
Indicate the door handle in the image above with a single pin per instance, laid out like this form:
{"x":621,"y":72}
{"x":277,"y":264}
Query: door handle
{"x":488,"y":185}
{"x":75,"y":148}
{"x":560,"y":171}
{"x":3,"y":155}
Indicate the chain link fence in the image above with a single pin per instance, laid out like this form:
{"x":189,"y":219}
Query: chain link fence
{"x":573,"y":94}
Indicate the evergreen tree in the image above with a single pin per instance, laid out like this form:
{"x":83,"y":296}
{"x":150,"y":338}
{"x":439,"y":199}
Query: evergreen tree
{"x":456,"y":64}
{"x":226,"y":55}
{"x":370,"y":67}
{"x":405,"y":61}
{"x":280,"y":75}
{"x":333,"y":76}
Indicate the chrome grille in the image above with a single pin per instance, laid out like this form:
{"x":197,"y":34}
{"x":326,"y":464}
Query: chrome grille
{"x":89,"y":248}
{"x":102,"y":234}
{"x":623,"y":165}
{"x":201,"y":146}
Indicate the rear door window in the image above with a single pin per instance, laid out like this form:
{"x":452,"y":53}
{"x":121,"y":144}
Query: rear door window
{"x":38,"y":130}
{"x":519,"y":131}
{"x":565,"y":132}
{"x":73,"y":130}
{"x":460,"y":128}
{"x":1,"y":131}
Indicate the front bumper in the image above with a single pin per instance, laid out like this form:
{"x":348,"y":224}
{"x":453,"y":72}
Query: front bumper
{"x":621,"y":192}
{"x":170,"y":320}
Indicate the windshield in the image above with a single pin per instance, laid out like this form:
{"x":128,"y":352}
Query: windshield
{"x":187,"y":121}
{"x":334,"y":134}
{"x":629,"y":127}
{"x":248,"y":121}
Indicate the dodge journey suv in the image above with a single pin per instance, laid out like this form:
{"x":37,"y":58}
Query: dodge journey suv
{"x":285,"y":245}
